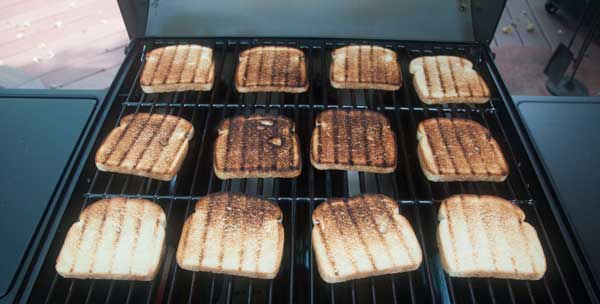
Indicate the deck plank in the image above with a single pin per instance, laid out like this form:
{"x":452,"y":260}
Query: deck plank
{"x":510,"y":38}
{"x":522,"y":17}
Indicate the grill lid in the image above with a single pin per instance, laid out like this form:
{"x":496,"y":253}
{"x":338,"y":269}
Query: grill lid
{"x":424,"y":20}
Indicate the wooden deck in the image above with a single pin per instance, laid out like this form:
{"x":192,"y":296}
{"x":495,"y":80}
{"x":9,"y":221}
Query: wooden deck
{"x":78,"y":44}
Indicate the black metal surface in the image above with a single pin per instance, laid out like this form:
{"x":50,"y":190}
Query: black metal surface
{"x":572,"y":161}
{"x":298,"y":280}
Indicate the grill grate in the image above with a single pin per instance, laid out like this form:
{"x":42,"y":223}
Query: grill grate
{"x":298,"y":280}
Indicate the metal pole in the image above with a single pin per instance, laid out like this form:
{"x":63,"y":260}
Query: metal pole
{"x":586,"y":42}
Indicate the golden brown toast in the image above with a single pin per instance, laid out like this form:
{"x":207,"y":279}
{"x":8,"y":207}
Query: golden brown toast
{"x":365,"y":67}
{"x":271,"y":69}
{"x":487,"y":236}
{"x":257,"y":146}
{"x":233,"y":234}
{"x":455,"y":149}
{"x":447,"y":79}
{"x":183,"y":67}
{"x":361,"y":237}
{"x":146,"y":145}
{"x":117,"y":239}
{"x":353,"y":140}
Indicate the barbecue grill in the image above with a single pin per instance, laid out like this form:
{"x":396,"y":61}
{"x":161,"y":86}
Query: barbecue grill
{"x":464,"y":29}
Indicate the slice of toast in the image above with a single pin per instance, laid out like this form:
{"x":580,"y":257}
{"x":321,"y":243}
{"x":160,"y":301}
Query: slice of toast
{"x":233,"y":234}
{"x":455,"y":149}
{"x":361,"y":237}
{"x":183,"y":67}
{"x":365,"y":67}
{"x":257,"y":146}
{"x":116,"y":239}
{"x":146,"y":145}
{"x":487,"y":236}
{"x":447,"y":79}
{"x":271,"y":69}
{"x":353,"y":140}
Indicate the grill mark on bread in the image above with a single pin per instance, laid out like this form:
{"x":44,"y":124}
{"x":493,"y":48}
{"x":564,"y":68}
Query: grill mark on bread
{"x":160,"y":56}
{"x":113,"y":147}
{"x":328,"y":251}
{"x":154,"y":133}
{"x":78,"y":245}
{"x":436,"y":161}
{"x":462,"y":148}
{"x":209,"y":70}
{"x":95,"y":244}
{"x":526,"y":242}
{"x":426,"y":75}
{"x":207,"y":222}
{"x":244,"y":143}
{"x":491,"y":243}
{"x":225,"y":231}
{"x":382,"y":144}
{"x":446,"y":147}
{"x":179,"y":144}
{"x":319,"y":142}
{"x":476,"y":144}
{"x":364,"y":126}
{"x":164,"y":78}
{"x":452,"y":248}
{"x":135,"y":138}
{"x":337,"y":225}
{"x":197,"y":64}
{"x":469,"y":230}
{"x":348,"y":137}
{"x":259,"y":81}
{"x":335,"y":137}
{"x":137,"y":230}
{"x":462,"y":65}
{"x":228,"y":145}
{"x":119,"y":233}
{"x":272,"y":150}
{"x":187,"y":55}
{"x":346,"y":54}
{"x":452,"y":78}
{"x":247,"y":66}
{"x":286,"y":71}
{"x":156,"y":156}
{"x":360,"y":72}
{"x":291,"y":154}
{"x":359,"y":233}
{"x":438,"y":69}
{"x":373,"y":222}
{"x":390,"y":217}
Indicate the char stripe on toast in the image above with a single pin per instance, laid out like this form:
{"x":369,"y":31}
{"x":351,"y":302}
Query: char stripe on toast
{"x":150,"y":145}
{"x":235,"y":238}
{"x":505,"y":246}
{"x":455,"y":149}
{"x":349,"y":139}
{"x":361,"y":237}
{"x":258,"y":145}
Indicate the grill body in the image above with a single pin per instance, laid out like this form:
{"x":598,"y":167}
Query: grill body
{"x":298,"y":281}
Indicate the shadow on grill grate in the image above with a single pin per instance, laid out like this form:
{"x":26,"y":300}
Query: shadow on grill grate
{"x":298,"y":280}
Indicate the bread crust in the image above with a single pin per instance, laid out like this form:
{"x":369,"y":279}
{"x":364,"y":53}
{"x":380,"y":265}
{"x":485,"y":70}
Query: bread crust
{"x":174,"y":68}
{"x":234,"y":234}
{"x":109,"y":232}
{"x":257,"y":146}
{"x":365,"y":67}
{"x":148,"y":145}
{"x":447,"y":79}
{"x":361,"y":237}
{"x":487,"y":236}
{"x":271,"y":69}
{"x":456,"y":149}
{"x":353,"y":140}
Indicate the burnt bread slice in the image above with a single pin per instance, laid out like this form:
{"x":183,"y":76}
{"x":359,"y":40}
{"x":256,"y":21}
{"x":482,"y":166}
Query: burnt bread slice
{"x":117,"y":239}
{"x":456,"y":149}
{"x":149,"y":145}
{"x":233,"y":234}
{"x":353,"y":140}
{"x":447,"y":79}
{"x":182,"y":67}
{"x":487,"y":236}
{"x":271,"y":69}
{"x":362,"y":236}
{"x":365,"y":67}
{"x":257,"y":146}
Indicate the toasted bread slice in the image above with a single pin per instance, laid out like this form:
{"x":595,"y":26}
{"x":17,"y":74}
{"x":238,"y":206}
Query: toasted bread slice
{"x":117,"y":239}
{"x":365,"y":67}
{"x":271,"y":69}
{"x":146,"y":145}
{"x":447,"y":79}
{"x":353,"y":140}
{"x":487,"y":236}
{"x":457,"y":149}
{"x":257,"y":146}
{"x":233,"y":234}
{"x":183,"y":67}
{"x":361,"y":237}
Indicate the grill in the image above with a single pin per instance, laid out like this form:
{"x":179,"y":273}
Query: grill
{"x":298,"y":280}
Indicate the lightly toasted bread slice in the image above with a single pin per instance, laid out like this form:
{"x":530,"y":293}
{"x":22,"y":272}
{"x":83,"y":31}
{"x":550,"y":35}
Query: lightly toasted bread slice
{"x":257,"y":146}
{"x":183,"y":67}
{"x":365,"y":67}
{"x":353,"y":140}
{"x":117,"y":239}
{"x":271,"y":69}
{"x":361,"y":237}
{"x":447,"y":79}
{"x":456,"y":149}
{"x":149,"y":145}
{"x":233,"y":234}
{"x":487,"y":236}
